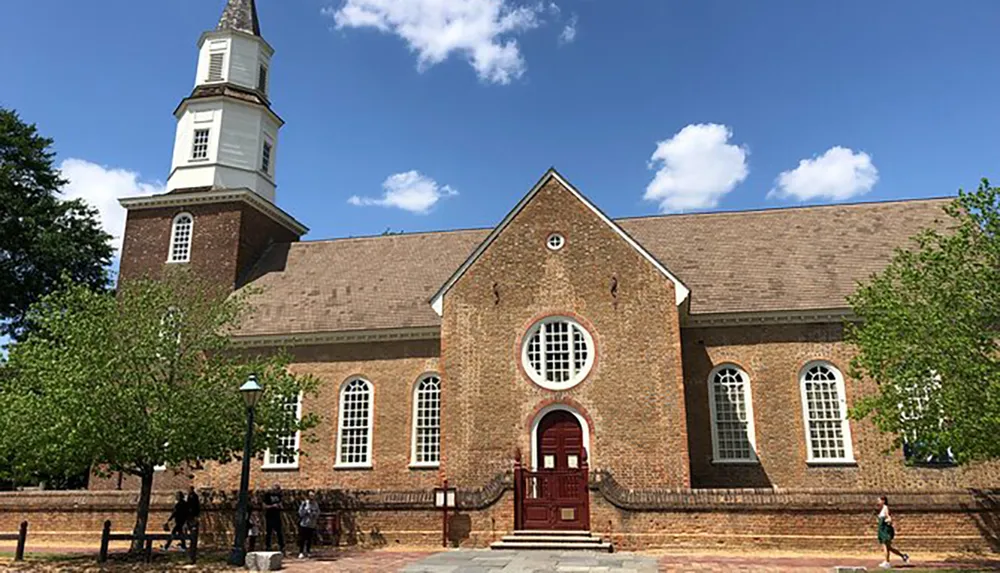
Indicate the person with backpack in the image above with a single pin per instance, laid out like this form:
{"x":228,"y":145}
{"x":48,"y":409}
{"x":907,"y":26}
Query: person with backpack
{"x":308,"y":519}
{"x":887,"y":532}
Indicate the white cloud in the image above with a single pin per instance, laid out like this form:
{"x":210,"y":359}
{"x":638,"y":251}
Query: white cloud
{"x":410,"y":191}
{"x":568,"y":33}
{"x":696,"y":168}
{"x":481,"y":30}
{"x":101,"y":187}
{"x":838,"y":174}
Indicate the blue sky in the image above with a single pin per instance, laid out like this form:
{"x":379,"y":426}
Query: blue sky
{"x":647,"y":106}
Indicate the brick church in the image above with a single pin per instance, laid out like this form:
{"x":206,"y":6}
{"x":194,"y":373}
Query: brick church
{"x":660,"y":381}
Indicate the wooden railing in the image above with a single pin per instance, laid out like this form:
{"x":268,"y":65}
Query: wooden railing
{"x":21,"y":537}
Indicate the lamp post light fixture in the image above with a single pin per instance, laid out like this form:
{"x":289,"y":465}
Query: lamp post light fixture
{"x":251,"y":392}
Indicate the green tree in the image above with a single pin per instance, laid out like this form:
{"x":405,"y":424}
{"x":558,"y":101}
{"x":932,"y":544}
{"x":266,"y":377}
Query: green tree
{"x":42,"y":237}
{"x":928,"y":335}
{"x":123,"y":383}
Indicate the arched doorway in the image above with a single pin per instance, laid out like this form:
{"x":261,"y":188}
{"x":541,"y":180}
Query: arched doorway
{"x":554,"y":495}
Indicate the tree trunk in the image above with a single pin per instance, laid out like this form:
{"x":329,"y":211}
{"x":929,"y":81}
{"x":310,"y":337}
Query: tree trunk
{"x":142,"y":512}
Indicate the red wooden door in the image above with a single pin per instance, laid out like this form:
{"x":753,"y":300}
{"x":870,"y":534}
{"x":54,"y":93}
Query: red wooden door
{"x":556,"y":495}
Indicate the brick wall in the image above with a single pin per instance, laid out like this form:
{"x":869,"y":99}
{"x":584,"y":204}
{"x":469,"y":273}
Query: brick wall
{"x":773,"y":357}
{"x":228,"y":239}
{"x":633,"y":397}
{"x":392,"y":368}
{"x":951,"y":521}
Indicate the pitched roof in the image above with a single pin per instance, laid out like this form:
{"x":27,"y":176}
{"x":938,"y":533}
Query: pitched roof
{"x":436,"y":303}
{"x":240,"y":15}
{"x":799,"y":258}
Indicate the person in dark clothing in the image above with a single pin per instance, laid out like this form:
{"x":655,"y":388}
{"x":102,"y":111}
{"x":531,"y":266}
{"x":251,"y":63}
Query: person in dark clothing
{"x":180,"y":518}
{"x":193,"y":509}
{"x":272,"y":518}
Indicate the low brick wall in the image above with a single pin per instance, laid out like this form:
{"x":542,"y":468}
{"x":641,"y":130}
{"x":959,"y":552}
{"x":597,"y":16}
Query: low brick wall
{"x":956,"y":521}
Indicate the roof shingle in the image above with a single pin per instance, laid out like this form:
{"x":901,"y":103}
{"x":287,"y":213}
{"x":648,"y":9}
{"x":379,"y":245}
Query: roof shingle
{"x":799,"y":258}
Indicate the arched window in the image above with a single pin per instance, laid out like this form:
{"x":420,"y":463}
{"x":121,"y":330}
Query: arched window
{"x":558,"y":353}
{"x":824,"y":408}
{"x":732,"y":415}
{"x":354,"y":442}
{"x":286,"y":455}
{"x":427,"y":422}
{"x":180,"y":239}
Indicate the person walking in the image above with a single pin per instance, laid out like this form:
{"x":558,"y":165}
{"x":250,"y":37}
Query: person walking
{"x":887,"y":532}
{"x":180,"y":518}
{"x":193,"y":510}
{"x":308,"y":518}
{"x":272,"y":518}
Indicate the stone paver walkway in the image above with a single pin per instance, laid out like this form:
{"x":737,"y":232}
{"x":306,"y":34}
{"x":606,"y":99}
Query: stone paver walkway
{"x":486,"y":561}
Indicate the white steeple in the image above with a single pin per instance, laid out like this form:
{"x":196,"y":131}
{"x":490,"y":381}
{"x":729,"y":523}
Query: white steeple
{"x":227,"y":135}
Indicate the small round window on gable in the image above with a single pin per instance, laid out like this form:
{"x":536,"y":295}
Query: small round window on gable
{"x":555,"y":242}
{"x":557,"y":353}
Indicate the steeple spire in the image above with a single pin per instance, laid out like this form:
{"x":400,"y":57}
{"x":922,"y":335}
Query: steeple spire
{"x":240,"y":15}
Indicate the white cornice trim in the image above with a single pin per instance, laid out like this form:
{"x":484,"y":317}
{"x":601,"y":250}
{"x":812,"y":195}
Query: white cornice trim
{"x":808,"y":316}
{"x":217,"y":196}
{"x":437,"y":301}
{"x":338,"y":337}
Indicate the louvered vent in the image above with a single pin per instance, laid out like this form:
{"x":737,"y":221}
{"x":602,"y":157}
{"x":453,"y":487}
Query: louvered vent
{"x":215,"y":65}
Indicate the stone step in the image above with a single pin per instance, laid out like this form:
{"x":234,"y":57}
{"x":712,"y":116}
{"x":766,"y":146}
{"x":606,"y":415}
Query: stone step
{"x":553,"y":538}
{"x":528,"y":545}
{"x":571,"y":532}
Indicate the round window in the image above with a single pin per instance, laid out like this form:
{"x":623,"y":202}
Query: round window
{"x":555,"y":241}
{"x":557,"y":353}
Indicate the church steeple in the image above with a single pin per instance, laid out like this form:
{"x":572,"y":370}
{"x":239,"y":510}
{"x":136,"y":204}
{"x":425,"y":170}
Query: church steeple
{"x":227,"y":133}
{"x":240,"y":15}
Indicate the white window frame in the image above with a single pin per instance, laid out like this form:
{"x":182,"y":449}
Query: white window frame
{"x":540,"y":377}
{"x":338,"y":464}
{"x":208,"y":144}
{"x":413,"y":426}
{"x":845,"y":423}
{"x":173,"y":239}
{"x":748,"y":404}
{"x":293,"y":465}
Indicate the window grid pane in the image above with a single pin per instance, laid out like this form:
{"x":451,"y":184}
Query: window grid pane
{"x":825,"y":414}
{"x":180,"y":244}
{"x":428,"y":421}
{"x":354,"y":423}
{"x":732,"y":428}
{"x":286,"y":454}
{"x":199,"y":149}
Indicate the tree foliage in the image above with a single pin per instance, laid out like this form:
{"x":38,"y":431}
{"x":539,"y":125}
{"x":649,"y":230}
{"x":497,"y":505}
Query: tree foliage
{"x":42,"y":237}
{"x":129,"y":381}
{"x":928,"y":335}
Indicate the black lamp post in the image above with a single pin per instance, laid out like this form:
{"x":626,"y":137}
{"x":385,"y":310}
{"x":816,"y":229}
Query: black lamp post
{"x":251,"y":392}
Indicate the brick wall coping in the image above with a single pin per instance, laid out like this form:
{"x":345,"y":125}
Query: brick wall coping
{"x":787,"y":499}
{"x":602,"y":482}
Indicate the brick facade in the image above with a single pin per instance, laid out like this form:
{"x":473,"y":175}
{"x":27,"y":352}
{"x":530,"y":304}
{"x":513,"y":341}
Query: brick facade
{"x":488,"y":400}
{"x":644,"y":402}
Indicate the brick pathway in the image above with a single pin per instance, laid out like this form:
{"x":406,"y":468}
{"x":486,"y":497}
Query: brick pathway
{"x":486,"y":561}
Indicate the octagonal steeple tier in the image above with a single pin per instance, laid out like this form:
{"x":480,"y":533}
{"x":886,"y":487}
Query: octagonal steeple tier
{"x":227,"y":133}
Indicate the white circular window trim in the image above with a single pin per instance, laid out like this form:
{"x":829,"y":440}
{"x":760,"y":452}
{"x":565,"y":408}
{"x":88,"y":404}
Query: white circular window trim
{"x":578,"y":375}
{"x":555,"y":242}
